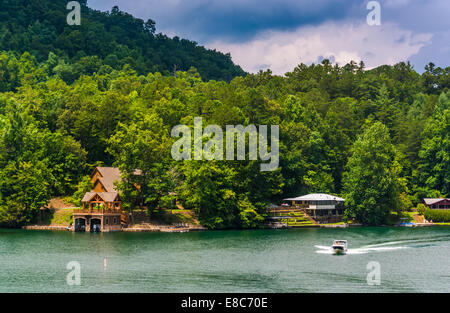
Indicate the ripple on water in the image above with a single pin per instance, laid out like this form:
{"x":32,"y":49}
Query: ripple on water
{"x":296,"y":260}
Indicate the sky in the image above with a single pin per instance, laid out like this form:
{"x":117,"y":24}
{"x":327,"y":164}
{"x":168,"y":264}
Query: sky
{"x":280,"y":34}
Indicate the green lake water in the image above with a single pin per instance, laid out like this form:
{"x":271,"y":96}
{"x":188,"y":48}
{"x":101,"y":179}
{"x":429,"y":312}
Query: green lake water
{"x":295,"y":260}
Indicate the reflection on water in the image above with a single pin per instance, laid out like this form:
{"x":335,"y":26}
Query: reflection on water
{"x":295,"y":260}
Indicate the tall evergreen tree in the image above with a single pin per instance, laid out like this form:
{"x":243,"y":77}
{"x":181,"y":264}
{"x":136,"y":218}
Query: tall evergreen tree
{"x":372,"y":186}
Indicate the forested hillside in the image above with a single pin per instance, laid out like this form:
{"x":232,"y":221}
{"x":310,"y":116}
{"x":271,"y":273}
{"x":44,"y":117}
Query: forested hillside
{"x":112,"y":39}
{"x":391,"y":125}
{"x":379,"y":138}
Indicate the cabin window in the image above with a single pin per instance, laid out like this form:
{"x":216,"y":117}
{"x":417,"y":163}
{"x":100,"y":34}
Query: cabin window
{"x":106,"y":221}
{"x":115,"y":220}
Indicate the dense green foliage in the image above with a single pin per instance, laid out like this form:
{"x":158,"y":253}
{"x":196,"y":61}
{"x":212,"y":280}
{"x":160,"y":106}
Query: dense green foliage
{"x":103,"y":40}
{"x":379,"y":137}
{"x":332,"y":139}
{"x":372,"y":185}
{"x":437,"y":216}
{"x":421,"y":208}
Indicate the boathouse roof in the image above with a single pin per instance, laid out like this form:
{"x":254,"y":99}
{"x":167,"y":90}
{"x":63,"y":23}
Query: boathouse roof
{"x":106,"y":196}
{"x":316,"y":197}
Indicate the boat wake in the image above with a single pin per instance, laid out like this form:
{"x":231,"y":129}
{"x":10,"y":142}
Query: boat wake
{"x":393,"y":245}
{"x":363,"y":250}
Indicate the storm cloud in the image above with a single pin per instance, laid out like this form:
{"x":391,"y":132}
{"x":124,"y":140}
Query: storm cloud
{"x":304,"y":30}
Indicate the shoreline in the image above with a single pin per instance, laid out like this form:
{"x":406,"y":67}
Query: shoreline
{"x":159,"y":228}
{"x":172,"y":229}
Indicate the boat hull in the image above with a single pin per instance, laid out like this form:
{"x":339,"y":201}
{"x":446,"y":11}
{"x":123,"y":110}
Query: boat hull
{"x":339,"y":250}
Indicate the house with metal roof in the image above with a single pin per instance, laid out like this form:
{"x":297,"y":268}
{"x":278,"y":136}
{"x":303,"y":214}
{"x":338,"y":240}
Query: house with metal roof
{"x":322,"y":207}
{"x":437,"y":203}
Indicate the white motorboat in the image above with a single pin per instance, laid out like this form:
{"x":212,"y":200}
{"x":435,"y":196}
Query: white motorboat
{"x":339,"y":247}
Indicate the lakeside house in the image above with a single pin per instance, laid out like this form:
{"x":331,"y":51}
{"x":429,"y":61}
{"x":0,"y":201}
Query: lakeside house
{"x":437,"y":203}
{"x":320,"y":206}
{"x":102,"y":206}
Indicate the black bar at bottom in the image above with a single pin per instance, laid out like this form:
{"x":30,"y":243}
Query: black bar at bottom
{"x":234,"y":302}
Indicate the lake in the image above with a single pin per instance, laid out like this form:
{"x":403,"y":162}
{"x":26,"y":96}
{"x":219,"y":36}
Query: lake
{"x":294,"y":260}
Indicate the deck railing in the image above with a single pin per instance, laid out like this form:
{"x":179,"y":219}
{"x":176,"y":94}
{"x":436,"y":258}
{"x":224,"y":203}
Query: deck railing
{"x":97,"y":211}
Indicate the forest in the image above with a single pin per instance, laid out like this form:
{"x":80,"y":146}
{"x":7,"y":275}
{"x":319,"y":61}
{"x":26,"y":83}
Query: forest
{"x":112,"y":38}
{"x":108,"y":94}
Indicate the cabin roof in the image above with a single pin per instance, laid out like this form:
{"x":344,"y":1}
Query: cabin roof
{"x":108,"y":176}
{"x":88,"y":196}
{"x":431,"y":201}
{"x":316,"y":197}
{"x":106,"y":196}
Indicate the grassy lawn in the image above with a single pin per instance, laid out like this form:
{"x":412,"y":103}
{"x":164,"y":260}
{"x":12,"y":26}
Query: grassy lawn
{"x":61,"y":217}
{"x":407,"y":217}
{"x":179,"y":216}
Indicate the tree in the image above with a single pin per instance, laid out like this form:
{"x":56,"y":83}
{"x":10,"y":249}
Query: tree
{"x":435,"y":150}
{"x":372,"y":185}
{"x":208,"y":188}
{"x":83,"y":186}
{"x":142,"y":153}
{"x":421,"y":208}
{"x":24,"y":188}
{"x":150,"y":26}
{"x":248,"y":214}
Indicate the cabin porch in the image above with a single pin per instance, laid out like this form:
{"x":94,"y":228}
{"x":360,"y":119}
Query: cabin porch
{"x":101,"y":212}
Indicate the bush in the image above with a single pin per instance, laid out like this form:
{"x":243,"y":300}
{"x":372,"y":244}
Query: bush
{"x":421,"y":208}
{"x":439,"y":216}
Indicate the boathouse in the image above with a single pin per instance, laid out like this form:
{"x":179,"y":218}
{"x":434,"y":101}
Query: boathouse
{"x":320,"y":206}
{"x":437,"y":204}
{"x":102,"y":206}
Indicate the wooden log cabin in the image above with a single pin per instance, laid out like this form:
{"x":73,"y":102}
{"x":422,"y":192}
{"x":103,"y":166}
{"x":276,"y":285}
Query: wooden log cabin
{"x":102,"y":206}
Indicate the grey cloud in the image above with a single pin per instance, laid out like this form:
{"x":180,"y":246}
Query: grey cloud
{"x":241,"y":21}
{"x":234,"y":20}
